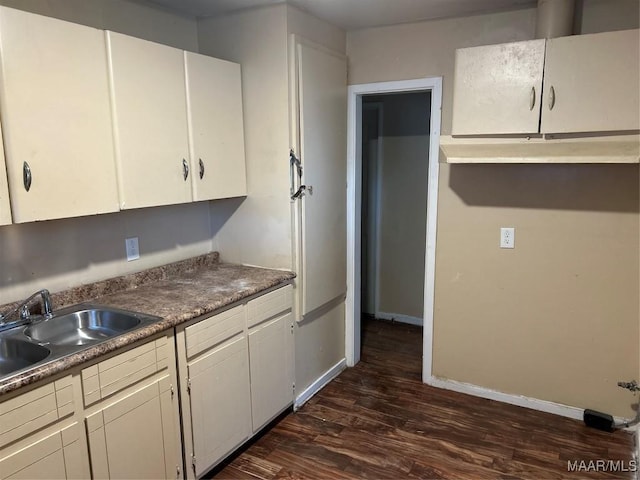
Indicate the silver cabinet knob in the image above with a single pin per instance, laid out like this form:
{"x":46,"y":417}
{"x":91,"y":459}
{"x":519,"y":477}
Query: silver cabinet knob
{"x":185,"y":169}
{"x":26,"y":176}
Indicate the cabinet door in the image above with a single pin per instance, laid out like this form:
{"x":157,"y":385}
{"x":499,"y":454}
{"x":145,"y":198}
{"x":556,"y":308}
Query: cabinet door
{"x":59,"y":455}
{"x":54,"y":99}
{"x":216,"y":131}
{"x":497,"y":89}
{"x":5,"y":209}
{"x":270,"y":356}
{"x":219,"y":398}
{"x":323,"y":121}
{"x":127,"y":438}
{"x":592,"y":83}
{"x":150,"y":111}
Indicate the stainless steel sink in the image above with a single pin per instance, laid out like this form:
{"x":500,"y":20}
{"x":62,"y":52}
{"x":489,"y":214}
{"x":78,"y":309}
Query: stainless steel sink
{"x":84,"y":327}
{"x":68,"y":331}
{"x":19,"y":354}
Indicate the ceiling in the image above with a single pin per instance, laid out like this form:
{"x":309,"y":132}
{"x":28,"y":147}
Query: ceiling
{"x":354,"y":14}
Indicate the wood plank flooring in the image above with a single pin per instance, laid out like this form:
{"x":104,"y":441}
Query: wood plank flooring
{"x":379,"y":421}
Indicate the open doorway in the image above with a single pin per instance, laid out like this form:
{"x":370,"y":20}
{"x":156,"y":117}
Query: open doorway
{"x":395,"y":165}
{"x":367,"y":104}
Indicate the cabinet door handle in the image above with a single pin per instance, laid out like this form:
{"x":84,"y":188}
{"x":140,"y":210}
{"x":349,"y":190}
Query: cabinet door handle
{"x":552,"y":98}
{"x":201,"y":168}
{"x":185,"y":169}
{"x":26,"y":176}
{"x":532,"y":98}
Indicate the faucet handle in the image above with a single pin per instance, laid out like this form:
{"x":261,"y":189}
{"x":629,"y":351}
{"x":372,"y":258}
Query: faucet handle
{"x":25,"y":314}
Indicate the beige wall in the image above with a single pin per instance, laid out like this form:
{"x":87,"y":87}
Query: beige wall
{"x":557,"y":317}
{"x":258,"y":229}
{"x":62,"y":253}
{"x":403,"y":202}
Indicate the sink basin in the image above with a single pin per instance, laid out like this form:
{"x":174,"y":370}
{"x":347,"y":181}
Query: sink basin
{"x":18,"y":354}
{"x":83,"y":327}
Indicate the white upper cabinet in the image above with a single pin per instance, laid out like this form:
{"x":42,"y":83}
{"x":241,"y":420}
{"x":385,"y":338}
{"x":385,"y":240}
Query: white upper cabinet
{"x":497,"y":89}
{"x":150,"y":120}
{"x":58,"y":138}
{"x":5,"y":208}
{"x":216,"y":134}
{"x":592,"y":83}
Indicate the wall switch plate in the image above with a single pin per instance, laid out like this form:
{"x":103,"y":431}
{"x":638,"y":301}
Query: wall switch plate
{"x":131,"y":245}
{"x":507,"y":237}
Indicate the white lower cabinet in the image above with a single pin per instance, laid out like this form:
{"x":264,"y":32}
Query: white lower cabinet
{"x":41,"y":435}
{"x":236,"y":373}
{"x":132,"y":414}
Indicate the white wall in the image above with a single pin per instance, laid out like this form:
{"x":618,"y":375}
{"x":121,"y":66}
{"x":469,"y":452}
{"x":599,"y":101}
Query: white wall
{"x":256,"y":230}
{"x":59,"y":254}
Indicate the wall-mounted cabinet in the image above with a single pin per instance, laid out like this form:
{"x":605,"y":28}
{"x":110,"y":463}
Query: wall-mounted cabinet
{"x":5,"y":206}
{"x":591,"y":84}
{"x":216,"y":131}
{"x":56,"y":119}
{"x":150,"y":122}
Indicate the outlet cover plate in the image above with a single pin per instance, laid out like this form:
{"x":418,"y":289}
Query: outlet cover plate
{"x":507,"y":237}
{"x":131,"y":246}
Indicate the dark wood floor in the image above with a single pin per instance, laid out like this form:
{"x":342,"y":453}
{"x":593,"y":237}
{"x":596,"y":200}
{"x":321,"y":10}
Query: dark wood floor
{"x":378,"y":420}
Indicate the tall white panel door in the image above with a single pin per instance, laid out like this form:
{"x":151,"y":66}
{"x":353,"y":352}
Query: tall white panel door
{"x":592,"y":83}
{"x":150,"y":111}
{"x":216,"y":131}
{"x":497,"y":88}
{"x":54,"y":100}
{"x":323,"y":140}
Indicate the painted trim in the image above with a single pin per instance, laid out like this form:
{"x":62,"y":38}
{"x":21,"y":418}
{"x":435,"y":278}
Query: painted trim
{"x":399,"y":317}
{"x":319,"y":384}
{"x":354,"y":199}
{"x":519,"y":400}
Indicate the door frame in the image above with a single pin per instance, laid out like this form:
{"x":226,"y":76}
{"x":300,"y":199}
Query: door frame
{"x":354,"y":205}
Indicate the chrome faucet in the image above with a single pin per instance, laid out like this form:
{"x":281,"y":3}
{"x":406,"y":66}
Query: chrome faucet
{"x":23,"y":309}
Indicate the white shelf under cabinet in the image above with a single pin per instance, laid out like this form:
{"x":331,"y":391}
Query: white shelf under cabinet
{"x":606,"y":149}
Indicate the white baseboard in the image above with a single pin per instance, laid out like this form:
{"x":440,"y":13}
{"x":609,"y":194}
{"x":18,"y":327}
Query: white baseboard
{"x":398,"y":317}
{"x":519,"y":400}
{"x":316,"y":386}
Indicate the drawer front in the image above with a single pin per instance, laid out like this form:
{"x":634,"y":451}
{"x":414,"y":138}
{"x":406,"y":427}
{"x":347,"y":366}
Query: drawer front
{"x":269,"y":305}
{"x":214,"y":330}
{"x":36,"y":409}
{"x":117,"y":373}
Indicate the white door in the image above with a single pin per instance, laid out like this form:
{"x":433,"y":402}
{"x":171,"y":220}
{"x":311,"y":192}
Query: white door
{"x":592,"y":83}
{"x":323,"y":141}
{"x":56,"y":118}
{"x":497,"y":88}
{"x":150,"y":110}
{"x":216,"y":132}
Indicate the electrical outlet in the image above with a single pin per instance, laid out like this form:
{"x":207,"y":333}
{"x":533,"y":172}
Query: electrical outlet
{"x":131,"y":246}
{"x":507,"y":237}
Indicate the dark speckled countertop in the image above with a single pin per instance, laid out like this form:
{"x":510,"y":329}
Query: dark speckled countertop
{"x":177,"y":292}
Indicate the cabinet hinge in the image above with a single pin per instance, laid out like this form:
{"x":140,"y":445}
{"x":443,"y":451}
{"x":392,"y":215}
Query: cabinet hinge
{"x":172,"y":391}
{"x":193,"y":462}
{"x":177,"y":471}
{"x":292,"y":329}
{"x":188,"y":385}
